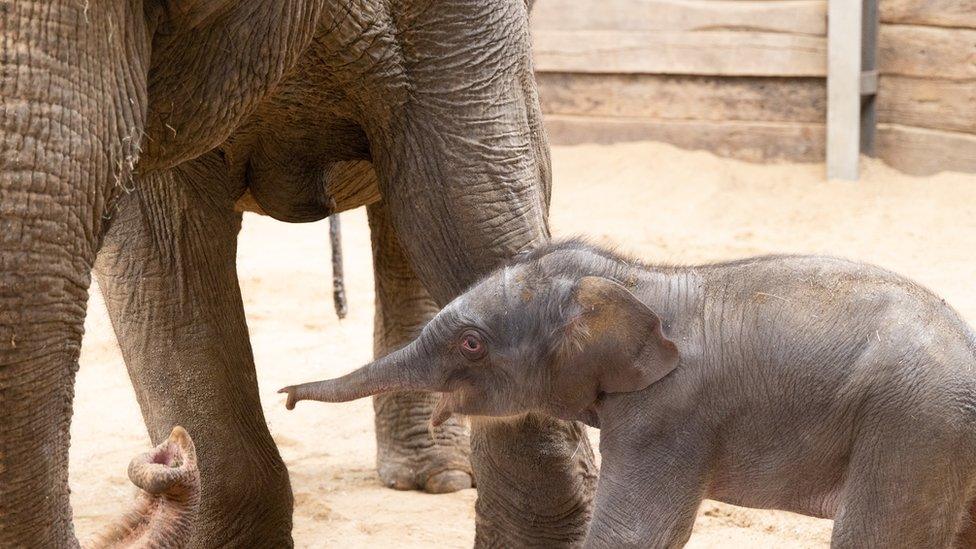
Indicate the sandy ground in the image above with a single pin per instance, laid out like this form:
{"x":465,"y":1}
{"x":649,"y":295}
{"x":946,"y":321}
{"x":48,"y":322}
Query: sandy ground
{"x":656,"y":201}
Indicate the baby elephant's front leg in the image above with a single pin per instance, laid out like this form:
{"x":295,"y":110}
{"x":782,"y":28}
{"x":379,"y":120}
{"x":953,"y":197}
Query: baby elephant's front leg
{"x":650,"y":501}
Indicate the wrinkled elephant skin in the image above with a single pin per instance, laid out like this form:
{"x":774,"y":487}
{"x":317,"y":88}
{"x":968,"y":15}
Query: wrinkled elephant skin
{"x":132,"y":132}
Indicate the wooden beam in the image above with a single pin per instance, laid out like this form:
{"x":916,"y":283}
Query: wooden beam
{"x":928,"y":52}
{"x":928,"y":103}
{"x":807,"y":17}
{"x":710,"y":52}
{"x":940,"y":13}
{"x":923,"y":152}
{"x":691,"y":98}
{"x":752,"y":141}
{"x":844,"y":88}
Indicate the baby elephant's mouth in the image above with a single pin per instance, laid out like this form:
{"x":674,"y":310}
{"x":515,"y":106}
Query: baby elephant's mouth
{"x":446,"y":406}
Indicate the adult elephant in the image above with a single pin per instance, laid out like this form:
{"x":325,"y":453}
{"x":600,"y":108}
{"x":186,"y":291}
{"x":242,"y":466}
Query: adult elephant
{"x":136,"y":126}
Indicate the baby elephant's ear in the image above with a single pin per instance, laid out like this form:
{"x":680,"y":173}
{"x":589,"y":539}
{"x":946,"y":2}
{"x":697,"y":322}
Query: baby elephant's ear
{"x":621,"y":336}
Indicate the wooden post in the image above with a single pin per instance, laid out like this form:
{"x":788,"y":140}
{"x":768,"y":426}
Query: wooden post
{"x":844,"y":27}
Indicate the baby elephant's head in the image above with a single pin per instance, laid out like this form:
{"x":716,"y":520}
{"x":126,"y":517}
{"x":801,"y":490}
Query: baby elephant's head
{"x":521,"y":340}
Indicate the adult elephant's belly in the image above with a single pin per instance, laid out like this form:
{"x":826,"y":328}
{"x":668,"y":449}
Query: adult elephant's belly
{"x":300,"y":170}
{"x":345,"y":185}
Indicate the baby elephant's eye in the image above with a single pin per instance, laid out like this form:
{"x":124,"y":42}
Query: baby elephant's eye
{"x":472,"y":347}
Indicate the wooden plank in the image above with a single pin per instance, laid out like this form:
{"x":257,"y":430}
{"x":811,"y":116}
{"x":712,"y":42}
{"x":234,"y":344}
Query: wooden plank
{"x":927,"y":52}
{"x":844,"y":89}
{"x":782,"y":16}
{"x":713,"y":52}
{"x":753,"y":141}
{"x":684,"y":97}
{"x":928,"y":103}
{"x":940,"y":13}
{"x":923,"y":152}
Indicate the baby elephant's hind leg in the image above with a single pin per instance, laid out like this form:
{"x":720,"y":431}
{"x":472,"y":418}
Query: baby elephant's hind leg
{"x":907,"y":495}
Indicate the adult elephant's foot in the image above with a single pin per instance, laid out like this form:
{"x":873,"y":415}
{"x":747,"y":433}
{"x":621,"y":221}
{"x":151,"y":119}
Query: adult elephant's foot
{"x":411,"y":455}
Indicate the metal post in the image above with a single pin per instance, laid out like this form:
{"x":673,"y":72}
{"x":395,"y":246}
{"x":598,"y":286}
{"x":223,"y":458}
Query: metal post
{"x":869,"y":75}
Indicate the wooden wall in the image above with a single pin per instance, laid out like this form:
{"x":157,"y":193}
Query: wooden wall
{"x":927,"y":95}
{"x":746,"y":78}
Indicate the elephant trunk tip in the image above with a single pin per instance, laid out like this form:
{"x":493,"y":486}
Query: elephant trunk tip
{"x":165,"y":512}
{"x":322,"y":391}
{"x":292,"y":392}
{"x":169,"y":469}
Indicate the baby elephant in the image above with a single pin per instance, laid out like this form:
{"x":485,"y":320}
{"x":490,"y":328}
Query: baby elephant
{"x":808,"y":384}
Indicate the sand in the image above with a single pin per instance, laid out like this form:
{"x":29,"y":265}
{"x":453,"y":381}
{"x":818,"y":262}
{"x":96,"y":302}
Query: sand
{"x":658,"y":202}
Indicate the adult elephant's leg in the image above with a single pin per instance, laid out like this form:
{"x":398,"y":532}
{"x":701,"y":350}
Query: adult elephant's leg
{"x":462,"y":163}
{"x":535,"y":475}
{"x":409,"y":455}
{"x":72,"y":108}
{"x":167,"y":271}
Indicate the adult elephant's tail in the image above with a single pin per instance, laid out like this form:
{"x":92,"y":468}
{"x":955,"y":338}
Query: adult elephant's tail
{"x":338,"y":281}
{"x":165,"y":511}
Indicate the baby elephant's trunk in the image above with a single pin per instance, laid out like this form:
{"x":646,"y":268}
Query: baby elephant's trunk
{"x":401,"y":370}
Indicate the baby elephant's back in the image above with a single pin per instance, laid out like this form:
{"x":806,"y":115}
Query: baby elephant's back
{"x":852,"y":331}
{"x":826,"y":363}
{"x":835,"y":302}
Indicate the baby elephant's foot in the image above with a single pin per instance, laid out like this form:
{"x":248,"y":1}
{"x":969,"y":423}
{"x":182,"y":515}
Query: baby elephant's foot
{"x":411,"y":455}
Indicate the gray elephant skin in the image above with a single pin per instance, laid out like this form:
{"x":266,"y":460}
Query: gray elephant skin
{"x":132,"y":132}
{"x":808,"y":384}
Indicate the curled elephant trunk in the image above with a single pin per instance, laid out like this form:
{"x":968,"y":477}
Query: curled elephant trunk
{"x":401,"y":370}
{"x":164,"y":513}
